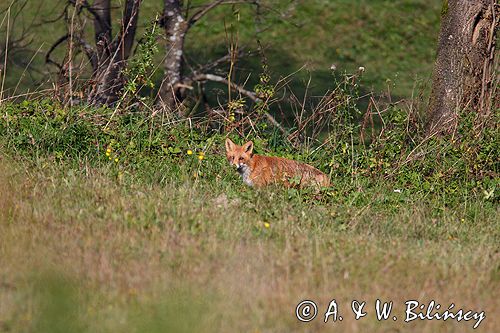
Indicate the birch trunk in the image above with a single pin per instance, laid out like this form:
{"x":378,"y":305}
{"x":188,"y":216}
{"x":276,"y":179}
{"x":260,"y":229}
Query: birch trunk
{"x":176,"y":26}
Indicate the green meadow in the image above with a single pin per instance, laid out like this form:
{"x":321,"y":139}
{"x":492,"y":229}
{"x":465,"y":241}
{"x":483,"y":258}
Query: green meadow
{"x":123,"y":220}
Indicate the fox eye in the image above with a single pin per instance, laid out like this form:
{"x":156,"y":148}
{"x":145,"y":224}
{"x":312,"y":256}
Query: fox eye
{"x":241,"y":158}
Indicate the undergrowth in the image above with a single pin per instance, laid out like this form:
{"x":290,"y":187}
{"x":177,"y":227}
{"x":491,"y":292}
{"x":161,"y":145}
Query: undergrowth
{"x":135,"y":146}
{"x":117,"y":210}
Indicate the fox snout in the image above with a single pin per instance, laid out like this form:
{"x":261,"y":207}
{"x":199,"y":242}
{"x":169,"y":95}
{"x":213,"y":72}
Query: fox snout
{"x":237,"y":165}
{"x":234,"y":162}
{"x":241,"y":167}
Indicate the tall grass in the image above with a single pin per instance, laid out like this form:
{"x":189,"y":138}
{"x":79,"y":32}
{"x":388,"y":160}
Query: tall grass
{"x":119,"y":228}
{"x":82,"y":251}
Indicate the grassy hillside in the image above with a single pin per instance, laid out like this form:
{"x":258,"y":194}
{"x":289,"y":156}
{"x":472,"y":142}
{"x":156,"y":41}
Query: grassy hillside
{"x":393,"y":39}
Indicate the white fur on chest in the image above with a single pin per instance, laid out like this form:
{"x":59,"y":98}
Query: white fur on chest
{"x":245,"y":175}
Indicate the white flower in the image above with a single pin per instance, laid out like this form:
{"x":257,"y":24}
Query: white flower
{"x":361,"y":69}
{"x":397,"y":190}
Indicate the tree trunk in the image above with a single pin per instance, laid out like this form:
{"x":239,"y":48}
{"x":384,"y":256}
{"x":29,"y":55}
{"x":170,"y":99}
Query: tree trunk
{"x":176,"y":26}
{"x":463,"y":77}
{"x":173,"y":89}
{"x":111,"y":54}
{"x":102,"y":24}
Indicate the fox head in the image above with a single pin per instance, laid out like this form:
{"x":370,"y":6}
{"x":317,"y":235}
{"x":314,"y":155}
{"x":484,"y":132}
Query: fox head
{"x":239,"y":156}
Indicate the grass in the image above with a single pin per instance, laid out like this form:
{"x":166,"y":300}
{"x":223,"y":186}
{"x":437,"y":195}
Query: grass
{"x":161,"y":241}
{"x":108,"y":224}
{"x":393,"y":40}
{"x":83,"y":252}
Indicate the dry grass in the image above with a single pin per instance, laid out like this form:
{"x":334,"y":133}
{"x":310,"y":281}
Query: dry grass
{"x":84,"y":253}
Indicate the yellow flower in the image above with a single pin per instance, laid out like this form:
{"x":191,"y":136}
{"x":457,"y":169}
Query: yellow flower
{"x":267,"y":225}
{"x":200,"y":157}
{"x":108,"y":150}
{"x":190,"y":152}
{"x":108,"y":153}
{"x":116,"y":159}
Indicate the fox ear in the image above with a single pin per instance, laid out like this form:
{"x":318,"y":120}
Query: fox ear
{"x":229,"y":145}
{"x":248,"y":147}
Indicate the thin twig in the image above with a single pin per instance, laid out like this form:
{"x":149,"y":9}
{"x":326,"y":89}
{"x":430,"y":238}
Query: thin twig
{"x":6,"y":54}
{"x":241,"y":90}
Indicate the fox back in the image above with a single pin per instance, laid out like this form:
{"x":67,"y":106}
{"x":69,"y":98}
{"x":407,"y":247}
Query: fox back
{"x":258,"y":170}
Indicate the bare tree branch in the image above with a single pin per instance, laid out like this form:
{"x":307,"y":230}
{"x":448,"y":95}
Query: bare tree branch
{"x":203,"y":11}
{"x":90,"y":52}
{"x":224,"y":59}
{"x":48,"y":60}
{"x":199,"y":14}
{"x":129,"y":27}
{"x":241,"y":90}
{"x":57,"y":18}
{"x":234,"y":86}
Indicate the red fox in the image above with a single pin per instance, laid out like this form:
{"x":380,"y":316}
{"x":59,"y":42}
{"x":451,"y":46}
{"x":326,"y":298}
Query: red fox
{"x":257,"y":170}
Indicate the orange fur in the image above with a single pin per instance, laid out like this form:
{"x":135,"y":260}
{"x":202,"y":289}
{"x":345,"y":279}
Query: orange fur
{"x":258,"y":170}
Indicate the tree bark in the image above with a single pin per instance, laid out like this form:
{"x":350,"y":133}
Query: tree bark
{"x":464,"y":70}
{"x":176,"y":26}
{"x":111,"y":54}
{"x":102,"y":21}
